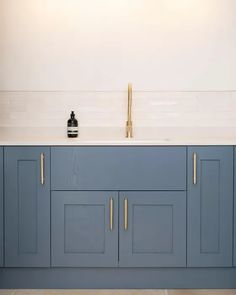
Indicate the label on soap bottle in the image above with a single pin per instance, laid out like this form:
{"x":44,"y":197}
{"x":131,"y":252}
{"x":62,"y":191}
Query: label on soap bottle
{"x":72,"y":130}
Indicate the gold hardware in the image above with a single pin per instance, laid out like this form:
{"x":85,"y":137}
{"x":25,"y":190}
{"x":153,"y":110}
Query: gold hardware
{"x":129,"y":127}
{"x":42,"y":178}
{"x":125,"y":214}
{"x":194,"y":168}
{"x":111,"y":205}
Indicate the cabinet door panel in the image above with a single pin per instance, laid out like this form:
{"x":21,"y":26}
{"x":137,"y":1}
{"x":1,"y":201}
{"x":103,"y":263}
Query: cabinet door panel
{"x":27,"y":207}
{"x":156,"y":233}
{"x":118,"y":168}
{"x":1,"y":207}
{"x":81,"y":233}
{"x":210,"y":202}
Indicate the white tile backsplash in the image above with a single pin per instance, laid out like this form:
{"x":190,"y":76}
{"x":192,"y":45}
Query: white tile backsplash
{"x":105,"y":109}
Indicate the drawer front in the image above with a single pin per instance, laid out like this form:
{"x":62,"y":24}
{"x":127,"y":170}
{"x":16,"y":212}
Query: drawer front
{"x":118,"y":168}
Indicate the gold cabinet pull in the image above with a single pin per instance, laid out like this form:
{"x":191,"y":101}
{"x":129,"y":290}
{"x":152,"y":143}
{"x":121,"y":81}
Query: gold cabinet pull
{"x":125,"y":214}
{"x":194,"y":168}
{"x":42,"y":177}
{"x":111,"y":209}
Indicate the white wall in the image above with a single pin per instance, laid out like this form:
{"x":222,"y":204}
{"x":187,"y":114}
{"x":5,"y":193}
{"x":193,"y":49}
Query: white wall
{"x":59,"y":55}
{"x":101,"y":45}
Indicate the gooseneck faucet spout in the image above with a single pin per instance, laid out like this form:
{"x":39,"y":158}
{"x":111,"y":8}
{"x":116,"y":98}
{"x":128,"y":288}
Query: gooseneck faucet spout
{"x":129,"y":127}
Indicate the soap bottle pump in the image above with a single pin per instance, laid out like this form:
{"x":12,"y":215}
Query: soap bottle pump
{"x":72,"y":126}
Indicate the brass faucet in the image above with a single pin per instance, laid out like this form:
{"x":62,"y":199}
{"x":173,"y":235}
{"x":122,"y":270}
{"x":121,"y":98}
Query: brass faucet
{"x":129,"y":127}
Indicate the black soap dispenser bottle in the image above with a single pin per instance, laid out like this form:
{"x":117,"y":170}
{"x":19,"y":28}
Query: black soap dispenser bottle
{"x":72,"y":126}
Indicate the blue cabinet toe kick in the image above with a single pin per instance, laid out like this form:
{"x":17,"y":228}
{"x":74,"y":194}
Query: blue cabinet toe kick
{"x":119,"y":278}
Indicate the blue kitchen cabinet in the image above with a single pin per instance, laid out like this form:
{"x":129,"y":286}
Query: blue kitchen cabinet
{"x":27,"y":206}
{"x":210,"y":206}
{"x":135,"y":217}
{"x":84,"y":229}
{"x":1,"y":207}
{"x":152,"y":229}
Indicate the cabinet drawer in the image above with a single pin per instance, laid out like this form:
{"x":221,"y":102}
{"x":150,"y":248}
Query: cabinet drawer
{"x":118,"y":168}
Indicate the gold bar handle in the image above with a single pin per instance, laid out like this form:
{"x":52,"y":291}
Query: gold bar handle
{"x":125,"y":214}
{"x":194,"y":168}
{"x":42,"y":177}
{"x":111,"y":209}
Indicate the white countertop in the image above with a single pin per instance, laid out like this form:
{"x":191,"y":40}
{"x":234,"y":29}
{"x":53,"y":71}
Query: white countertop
{"x":116,"y":136}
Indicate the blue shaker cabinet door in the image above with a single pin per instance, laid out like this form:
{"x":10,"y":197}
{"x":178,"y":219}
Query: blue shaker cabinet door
{"x":210,"y":206}
{"x":152,"y":229}
{"x":27,"y":206}
{"x":84,"y":229}
{"x":1,"y":207}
